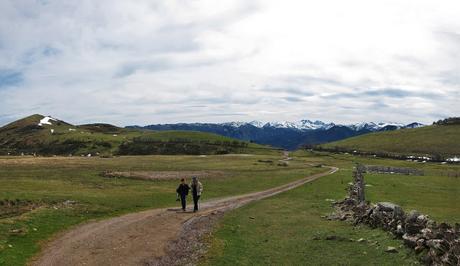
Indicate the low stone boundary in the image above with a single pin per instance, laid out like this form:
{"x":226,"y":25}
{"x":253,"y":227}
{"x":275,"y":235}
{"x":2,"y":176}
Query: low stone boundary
{"x":437,"y":244}
{"x":380,"y":169}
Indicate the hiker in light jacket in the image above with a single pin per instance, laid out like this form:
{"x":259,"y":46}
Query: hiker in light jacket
{"x":182,"y":192}
{"x":197,"y":189}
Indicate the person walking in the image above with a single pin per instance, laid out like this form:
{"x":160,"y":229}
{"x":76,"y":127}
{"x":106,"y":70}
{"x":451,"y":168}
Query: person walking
{"x":197,"y":189}
{"x":182,"y":192}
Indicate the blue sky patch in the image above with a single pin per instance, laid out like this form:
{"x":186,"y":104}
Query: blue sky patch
{"x":10,"y":78}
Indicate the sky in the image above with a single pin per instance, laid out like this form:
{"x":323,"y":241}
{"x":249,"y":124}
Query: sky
{"x":147,"y":62}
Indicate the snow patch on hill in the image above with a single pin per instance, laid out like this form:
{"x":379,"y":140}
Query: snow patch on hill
{"x":46,"y":121}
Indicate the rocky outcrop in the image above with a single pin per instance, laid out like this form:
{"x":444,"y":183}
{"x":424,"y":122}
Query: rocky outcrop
{"x":438,"y":244}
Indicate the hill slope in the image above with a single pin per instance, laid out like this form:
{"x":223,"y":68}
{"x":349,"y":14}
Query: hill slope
{"x":437,"y":141}
{"x":43,"y":135}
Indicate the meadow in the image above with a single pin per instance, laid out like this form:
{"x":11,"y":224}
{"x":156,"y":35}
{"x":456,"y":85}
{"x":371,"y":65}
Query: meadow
{"x":291,"y":229}
{"x":65,"y":191}
{"x":53,"y":194}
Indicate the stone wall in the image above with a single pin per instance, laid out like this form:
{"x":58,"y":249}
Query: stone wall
{"x":437,"y":244}
{"x":380,"y":169}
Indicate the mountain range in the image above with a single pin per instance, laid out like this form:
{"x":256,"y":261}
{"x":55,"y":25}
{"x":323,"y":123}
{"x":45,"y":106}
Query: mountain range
{"x":286,"y":135}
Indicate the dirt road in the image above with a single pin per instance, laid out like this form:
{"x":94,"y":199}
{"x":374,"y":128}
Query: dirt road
{"x":138,"y":238}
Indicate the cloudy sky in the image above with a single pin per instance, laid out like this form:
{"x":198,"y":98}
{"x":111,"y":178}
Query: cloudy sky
{"x":144,"y":62}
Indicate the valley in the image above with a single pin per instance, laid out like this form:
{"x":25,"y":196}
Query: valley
{"x":229,"y":133}
{"x":126,"y":178}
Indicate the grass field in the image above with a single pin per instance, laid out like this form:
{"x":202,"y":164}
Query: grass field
{"x":442,"y":140}
{"x":281,"y":230}
{"x":50,"y":182}
{"x":25,"y":136}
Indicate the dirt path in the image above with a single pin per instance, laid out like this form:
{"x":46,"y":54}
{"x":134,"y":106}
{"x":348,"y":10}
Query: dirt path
{"x":139,"y":238}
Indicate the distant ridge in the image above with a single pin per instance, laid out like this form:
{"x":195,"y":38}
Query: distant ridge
{"x":286,"y":135}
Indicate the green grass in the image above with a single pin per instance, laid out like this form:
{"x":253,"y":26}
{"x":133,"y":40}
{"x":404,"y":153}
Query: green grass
{"x":54,"y":180}
{"x":25,"y":136}
{"x":432,"y":140}
{"x":284,"y":226}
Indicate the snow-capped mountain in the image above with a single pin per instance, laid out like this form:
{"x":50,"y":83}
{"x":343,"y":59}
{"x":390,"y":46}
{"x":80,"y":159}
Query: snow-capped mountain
{"x":320,"y":125}
{"x":414,"y":125}
{"x":382,"y":126}
{"x":285,"y":134}
{"x":301,"y":125}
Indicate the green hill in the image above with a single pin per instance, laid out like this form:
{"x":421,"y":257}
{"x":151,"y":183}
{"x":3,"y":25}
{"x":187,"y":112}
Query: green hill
{"x":42,"y":135}
{"x":438,"y":141}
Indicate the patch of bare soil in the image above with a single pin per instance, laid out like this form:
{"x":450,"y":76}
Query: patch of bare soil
{"x":190,"y":244}
{"x":153,"y":237}
{"x":163,"y":175}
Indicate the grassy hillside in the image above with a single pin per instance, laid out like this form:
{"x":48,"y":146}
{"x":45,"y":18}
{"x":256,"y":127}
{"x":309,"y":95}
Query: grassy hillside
{"x":437,"y":140}
{"x":60,"y":138}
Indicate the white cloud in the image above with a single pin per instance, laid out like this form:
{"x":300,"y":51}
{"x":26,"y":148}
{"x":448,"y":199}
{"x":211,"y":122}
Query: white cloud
{"x":128,"y":62}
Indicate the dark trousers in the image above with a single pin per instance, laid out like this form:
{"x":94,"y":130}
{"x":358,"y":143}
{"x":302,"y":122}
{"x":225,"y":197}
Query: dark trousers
{"x":183,"y":201}
{"x":195,"y":202}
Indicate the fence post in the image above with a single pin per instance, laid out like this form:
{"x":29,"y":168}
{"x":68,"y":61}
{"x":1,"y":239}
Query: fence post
{"x":358,"y":175}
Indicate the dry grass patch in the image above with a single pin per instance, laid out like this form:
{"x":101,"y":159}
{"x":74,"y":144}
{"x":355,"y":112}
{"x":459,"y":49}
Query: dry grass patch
{"x":163,"y":175}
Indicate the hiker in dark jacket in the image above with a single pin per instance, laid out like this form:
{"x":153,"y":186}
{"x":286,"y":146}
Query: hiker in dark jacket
{"x":197,"y":189}
{"x":182,"y":192}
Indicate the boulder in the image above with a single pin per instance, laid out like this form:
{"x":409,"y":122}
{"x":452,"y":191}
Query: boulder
{"x":449,"y":259}
{"x":387,"y":206}
{"x":349,"y":202}
{"x":419,"y":249}
{"x":420,"y":242}
{"x":412,"y":216}
{"x":439,"y":246}
{"x":430,"y":223}
{"x":457,"y":228}
{"x":413,"y":228}
{"x":422,"y":219}
{"x":410,"y":241}
{"x":427,"y":233}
